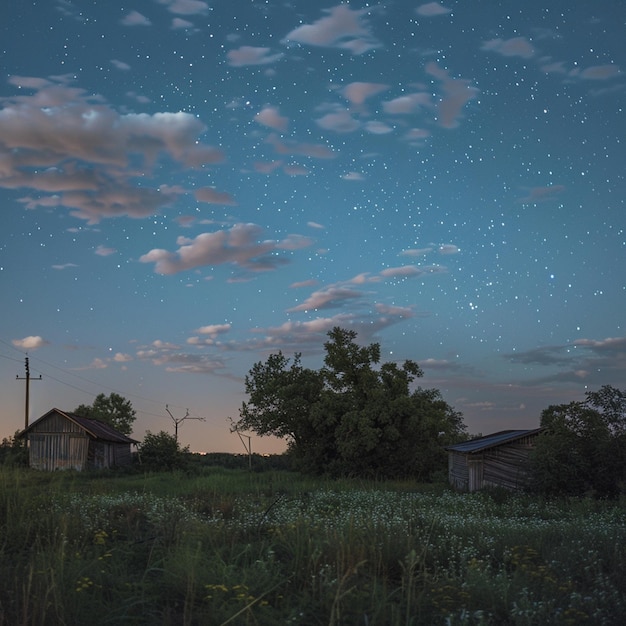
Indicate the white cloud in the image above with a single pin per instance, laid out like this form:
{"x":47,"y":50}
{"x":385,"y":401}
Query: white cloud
{"x":270,"y":116}
{"x":431,"y":9}
{"x":239,"y":246}
{"x":134,"y":18}
{"x":341,"y":28}
{"x":251,"y":55}
{"x":32,"y":342}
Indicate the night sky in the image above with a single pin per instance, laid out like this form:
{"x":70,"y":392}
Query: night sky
{"x":187,"y":186}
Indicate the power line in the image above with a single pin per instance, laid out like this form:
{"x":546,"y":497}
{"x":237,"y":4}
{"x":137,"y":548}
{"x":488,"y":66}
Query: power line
{"x":91,"y":382}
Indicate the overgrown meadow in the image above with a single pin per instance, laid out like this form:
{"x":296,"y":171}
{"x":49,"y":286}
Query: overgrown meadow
{"x":232,"y":547}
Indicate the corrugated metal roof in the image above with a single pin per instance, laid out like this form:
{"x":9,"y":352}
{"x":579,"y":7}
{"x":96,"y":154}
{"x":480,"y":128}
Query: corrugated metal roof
{"x":100,"y":430}
{"x":491,"y":441}
{"x":97,"y":429}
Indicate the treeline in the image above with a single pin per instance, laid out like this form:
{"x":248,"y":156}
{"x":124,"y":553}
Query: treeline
{"x":582,"y":450}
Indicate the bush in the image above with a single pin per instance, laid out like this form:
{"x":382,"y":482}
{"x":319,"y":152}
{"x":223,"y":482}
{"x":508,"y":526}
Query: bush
{"x":161,"y":451}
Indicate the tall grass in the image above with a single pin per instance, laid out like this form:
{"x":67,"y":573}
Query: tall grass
{"x":230,"y":547}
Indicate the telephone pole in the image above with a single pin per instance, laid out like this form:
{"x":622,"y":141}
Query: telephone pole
{"x":27,"y":378}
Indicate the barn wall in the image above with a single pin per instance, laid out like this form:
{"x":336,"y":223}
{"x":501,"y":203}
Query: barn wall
{"x":58,"y":443}
{"x":53,"y":451}
{"x":123,"y":454}
{"x":458,"y":472}
{"x":106,"y":454}
{"x":507,"y":466}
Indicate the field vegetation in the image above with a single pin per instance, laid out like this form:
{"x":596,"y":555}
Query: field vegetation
{"x":227,"y":546}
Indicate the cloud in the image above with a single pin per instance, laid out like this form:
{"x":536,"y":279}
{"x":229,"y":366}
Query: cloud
{"x":294,"y":242}
{"x":32,"y":342}
{"x":615,"y":346}
{"x":329,"y":298}
{"x":134,"y":18}
{"x":378,"y":128}
{"x":537,"y":195}
{"x":96,"y":364}
{"x":266,"y":167}
{"x":211,"y":196}
{"x":294,"y":334}
{"x":304,"y":283}
{"x":432,"y":9}
{"x":545,"y":355}
{"x":104,"y":251}
{"x":315,"y":150}
{"x":358,"y":92}
{"x":353,"y":176}
{"x":213,"y":330}
{"x":398,"y":311}
{"x":456,"y":93}
{"x":120,"y":65}
{"x":416,"y":135}
{"x":270,"y":116}
{"x":601,"y":72}
{"x":296,"y":170}
{"x":412,"y":271}
{"x":122,"y":358}
{"x":94,"y":160}
{"x":404,"y":105}
{"x":448,"y":248}
{"x":251,"y":55}
{"x":181,"y":24}
{"x":190,"y":363}
{"x":557,"y":67}
{"x":315,"y":225}
{"x":238,"y":246}
{"x":308,"y":337}
{"x":341,"y":28}
{"x":186,"y":7}
{"x":515,"y":47}
{"x":414,"y":252}
{"x":339,"y":122}
{"x":64,"y":266}
{"x":591,"y":361}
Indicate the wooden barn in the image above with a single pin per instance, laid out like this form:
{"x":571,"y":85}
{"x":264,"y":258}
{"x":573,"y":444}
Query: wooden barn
{"x":60,"y":440}
{"x":497,"y":460}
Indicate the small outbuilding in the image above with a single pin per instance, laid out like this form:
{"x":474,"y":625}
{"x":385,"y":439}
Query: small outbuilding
{"x":497,"y":460}
{"x":60,"y":440}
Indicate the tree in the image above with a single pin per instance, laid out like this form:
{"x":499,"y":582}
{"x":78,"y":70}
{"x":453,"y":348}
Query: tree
{"x":114,"y":410}
{"x":13,"y":451}
{"x":161,"y":451}
{"x":582,"y":448}
{"x":352,"y":416}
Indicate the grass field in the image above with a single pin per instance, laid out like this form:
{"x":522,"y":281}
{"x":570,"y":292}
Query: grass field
{"x":231,"y":547}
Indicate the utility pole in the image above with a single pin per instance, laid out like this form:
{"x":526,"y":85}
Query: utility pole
{"x":27,"y":378}
{"x":247,"y":446}
{"x":178,"y":420}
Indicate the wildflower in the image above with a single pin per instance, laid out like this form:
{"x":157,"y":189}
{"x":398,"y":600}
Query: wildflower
{"x":84,"y":583}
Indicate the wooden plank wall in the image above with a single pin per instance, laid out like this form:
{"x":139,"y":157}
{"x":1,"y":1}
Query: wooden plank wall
{"x":504,"y":466}
{"x":458,"y":472}
{"x":58,"y":443}
{"x":52,"y":451}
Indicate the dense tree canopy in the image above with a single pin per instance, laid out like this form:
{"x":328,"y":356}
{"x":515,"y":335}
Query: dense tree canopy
{"x":114,"y":410}
{"x":352,"y":416}
{"x":583,"y":447}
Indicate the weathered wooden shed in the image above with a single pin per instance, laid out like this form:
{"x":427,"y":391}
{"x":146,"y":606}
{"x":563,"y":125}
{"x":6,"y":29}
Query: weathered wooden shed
{"x":497,"y":460}
{"x":60,"y":440}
